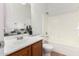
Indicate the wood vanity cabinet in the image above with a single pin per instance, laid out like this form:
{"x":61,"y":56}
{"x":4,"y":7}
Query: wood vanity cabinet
{"x":23,"y":52}
{"x":32,"y":50}
{"x":37,"y":49}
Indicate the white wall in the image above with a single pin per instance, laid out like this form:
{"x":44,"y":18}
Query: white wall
{"x":16,"y":13}
{"x":1,"y":22}
{"x":37,"y":11}
{"x":44,"y":24}
{"x":63,"y":30}
{"x":28,"y":13}
{"x":1,"y":27}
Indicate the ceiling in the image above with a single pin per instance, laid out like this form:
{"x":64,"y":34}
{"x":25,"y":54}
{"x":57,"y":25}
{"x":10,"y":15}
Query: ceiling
{"x":60,"y":8}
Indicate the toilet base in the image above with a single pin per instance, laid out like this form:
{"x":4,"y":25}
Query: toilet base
{"x":47,"y":54}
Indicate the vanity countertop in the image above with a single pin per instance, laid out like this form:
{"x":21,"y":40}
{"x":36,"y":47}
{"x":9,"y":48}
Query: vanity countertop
{"x":12,"y":45}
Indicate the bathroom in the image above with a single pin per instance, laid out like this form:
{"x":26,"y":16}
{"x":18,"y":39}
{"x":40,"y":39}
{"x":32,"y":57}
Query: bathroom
{"x":39,"y":29}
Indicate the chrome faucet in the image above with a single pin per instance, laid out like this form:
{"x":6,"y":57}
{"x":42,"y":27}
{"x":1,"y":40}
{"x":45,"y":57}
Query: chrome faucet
{"x":19,"y":38}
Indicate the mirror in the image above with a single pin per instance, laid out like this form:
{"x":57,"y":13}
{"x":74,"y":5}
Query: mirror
{"x":17,"y":18}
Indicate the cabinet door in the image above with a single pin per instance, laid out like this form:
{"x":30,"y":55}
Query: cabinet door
{"x":37,"y":49}
{"x":23,"y":52}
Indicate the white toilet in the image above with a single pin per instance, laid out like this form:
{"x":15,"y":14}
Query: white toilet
{"x":47,"y":49}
